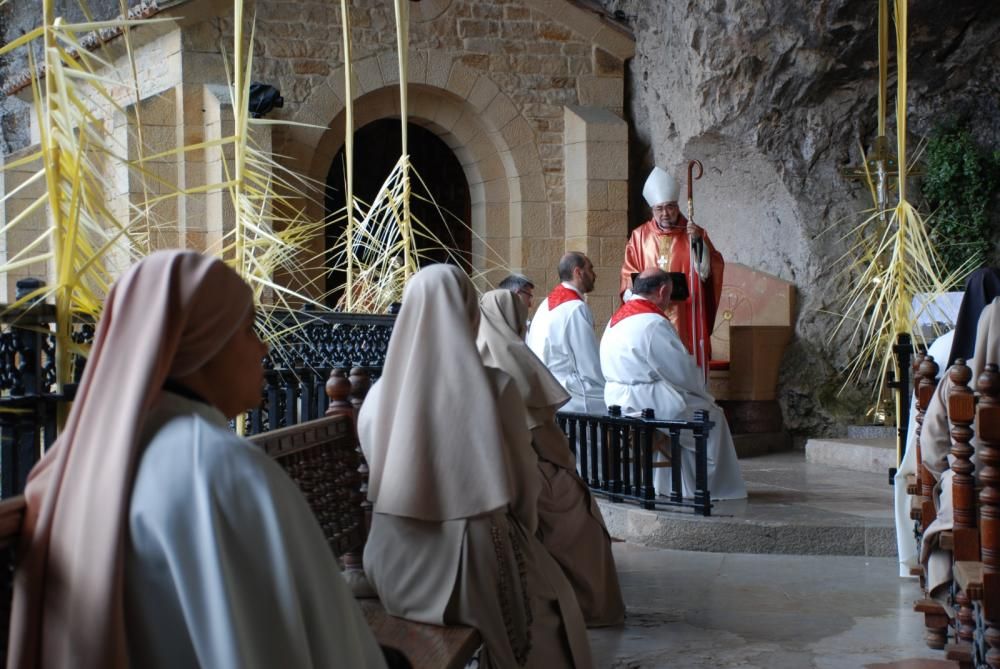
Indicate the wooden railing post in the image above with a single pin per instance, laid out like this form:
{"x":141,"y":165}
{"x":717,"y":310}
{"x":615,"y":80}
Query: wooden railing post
{"x":338,"y":389}
{"x":361,"y":383}
{"x":928,"y":384}
{"x":961,"y":412}
{"x":988,"y":457}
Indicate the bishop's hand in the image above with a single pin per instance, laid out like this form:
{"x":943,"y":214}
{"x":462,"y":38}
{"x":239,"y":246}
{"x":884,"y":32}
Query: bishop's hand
{"x":694,"y":230}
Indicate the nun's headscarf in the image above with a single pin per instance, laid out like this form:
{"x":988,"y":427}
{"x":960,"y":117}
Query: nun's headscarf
{"x":439,"y":444}
{"x":981,"y":288}
{"x":501,"y":345}
{"x":166,"y":317}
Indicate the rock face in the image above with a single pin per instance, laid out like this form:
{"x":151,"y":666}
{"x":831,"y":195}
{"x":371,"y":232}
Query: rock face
{"x":17,"y":18}
{"x":774,"y":96}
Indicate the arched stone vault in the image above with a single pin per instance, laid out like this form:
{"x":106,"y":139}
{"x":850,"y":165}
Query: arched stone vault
{"x":479,"y":122}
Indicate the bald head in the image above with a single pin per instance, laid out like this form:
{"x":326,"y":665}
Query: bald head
{"x":655,"y":285}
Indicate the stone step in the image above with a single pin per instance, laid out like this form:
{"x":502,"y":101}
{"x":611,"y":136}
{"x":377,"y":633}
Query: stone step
{"x":794,"y":507}
{"x":727,"y":533}
{"x":861,"y":455}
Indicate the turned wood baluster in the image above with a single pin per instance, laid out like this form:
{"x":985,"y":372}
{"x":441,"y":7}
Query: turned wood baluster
{"x":935,"y":620}
{"x":361,"y":383}
{"x":961,"y":412}
{"x":928,"y":384}
{"x":338,"y":389}
{"x":988,"y":457}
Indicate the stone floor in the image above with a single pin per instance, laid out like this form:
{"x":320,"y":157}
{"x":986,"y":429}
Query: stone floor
{"x":793,"y":507}
{"x":700,"y":610}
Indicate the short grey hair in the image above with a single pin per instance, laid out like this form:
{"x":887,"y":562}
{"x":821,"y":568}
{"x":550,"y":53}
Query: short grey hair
{"x":516,"y":282}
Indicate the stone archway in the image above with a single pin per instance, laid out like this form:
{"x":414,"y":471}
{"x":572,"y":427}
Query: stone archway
{"x":440,"y":201}
{"x":494,"y":144}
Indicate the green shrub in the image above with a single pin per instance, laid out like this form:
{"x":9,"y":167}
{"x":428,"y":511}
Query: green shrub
{"x":960,"y":184}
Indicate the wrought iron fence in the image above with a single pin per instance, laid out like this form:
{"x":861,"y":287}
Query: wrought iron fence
{"x":296,"y":372}
{"x":615,"y":456}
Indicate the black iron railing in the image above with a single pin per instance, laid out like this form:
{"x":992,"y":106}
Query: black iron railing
{"x":300,"y":362}
{"x":615,"y":456}
{"x":297,"y":368}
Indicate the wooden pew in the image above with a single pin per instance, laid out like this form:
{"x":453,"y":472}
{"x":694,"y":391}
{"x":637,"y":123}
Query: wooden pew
{"x":922,"y":509}
{"x":965,"y":534}
{"x":925,"y":479}
{"x":977,"y":574}
{"x":324,"y":459}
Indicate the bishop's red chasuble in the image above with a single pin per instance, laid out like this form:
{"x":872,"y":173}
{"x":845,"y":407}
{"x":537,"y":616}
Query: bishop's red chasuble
{"x":671,"y":251}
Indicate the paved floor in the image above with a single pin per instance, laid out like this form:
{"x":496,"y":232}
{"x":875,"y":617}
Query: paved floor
{"x":701,"y":610}
{"x":794,"y":507}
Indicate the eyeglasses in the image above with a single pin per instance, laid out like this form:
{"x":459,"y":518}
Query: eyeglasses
{"x":525,"y":291}
{"x":660,"y":208}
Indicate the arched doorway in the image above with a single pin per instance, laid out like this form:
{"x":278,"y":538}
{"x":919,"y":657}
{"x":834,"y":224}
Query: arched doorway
{"x":377,"y":147}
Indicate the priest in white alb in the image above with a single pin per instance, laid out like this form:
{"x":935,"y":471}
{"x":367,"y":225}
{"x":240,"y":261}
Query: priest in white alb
{"x":646,"y":366}
{"x":562,"y":336}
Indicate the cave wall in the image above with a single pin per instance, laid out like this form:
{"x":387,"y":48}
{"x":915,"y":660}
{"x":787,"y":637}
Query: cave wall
{"x":774,"y":96}
{"x":16,"y":18}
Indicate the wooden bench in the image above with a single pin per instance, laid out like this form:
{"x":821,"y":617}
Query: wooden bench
{"x":974,"y":629}
{"x":922,"y":511}
{"x":975,"y":537}
{"x":324,"y":459}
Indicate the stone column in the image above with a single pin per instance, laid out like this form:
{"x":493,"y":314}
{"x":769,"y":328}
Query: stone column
{"x":596,"y":160}
{"x":21,"y":195}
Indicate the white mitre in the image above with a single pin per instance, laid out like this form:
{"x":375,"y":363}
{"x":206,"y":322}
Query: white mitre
{"x":660,"y":187}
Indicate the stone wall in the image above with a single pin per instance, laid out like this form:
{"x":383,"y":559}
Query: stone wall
{"x":493,"y":80}
{"x":17,"y":18}
{"x":515,"y":64}
{"x":774,"y":96}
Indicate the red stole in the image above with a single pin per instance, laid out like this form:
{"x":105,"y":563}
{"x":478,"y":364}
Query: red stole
{"x":561,"y":294}
{"x":643,"y":251}
{"x":634,"y":307}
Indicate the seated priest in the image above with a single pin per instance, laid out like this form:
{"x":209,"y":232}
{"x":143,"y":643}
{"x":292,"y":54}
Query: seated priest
{"x":570,"y":524}
{"x":646,"y":366}
{"x":156,"y":537}
{"x":454,"y":483}
{"x":982,"y":291}
{"x":562,"y":336}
